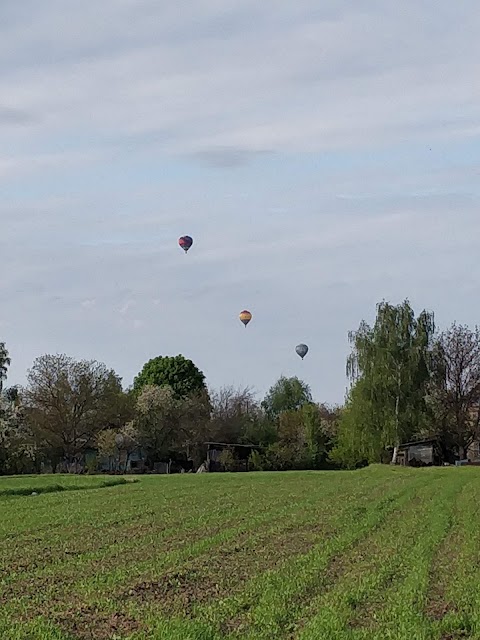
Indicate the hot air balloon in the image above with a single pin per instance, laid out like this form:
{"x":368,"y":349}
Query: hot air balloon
{"x":185,"y":242}
{"x":302,"y":350}
{"x":245,"y":317}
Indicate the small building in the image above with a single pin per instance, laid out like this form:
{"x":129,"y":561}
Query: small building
{"x":420,"y":453}
{"x":240,"y":453}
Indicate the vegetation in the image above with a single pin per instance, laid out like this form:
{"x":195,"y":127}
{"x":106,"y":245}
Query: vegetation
{"x":381,"y":552}
{"x":178,"y":373}
{"x":377,"y":553}
{"x":4,"y":363}
{"x":407,"y":383}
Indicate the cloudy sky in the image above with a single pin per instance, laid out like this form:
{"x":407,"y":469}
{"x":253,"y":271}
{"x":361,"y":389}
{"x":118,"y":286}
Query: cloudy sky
{"x":324,"y":155}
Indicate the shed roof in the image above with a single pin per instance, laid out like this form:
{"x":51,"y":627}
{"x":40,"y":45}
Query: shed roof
{"x":417,"y":442}
{"x":232,"y":444}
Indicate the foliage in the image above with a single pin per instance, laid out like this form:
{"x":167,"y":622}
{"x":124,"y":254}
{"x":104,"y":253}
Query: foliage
{"x":300,"y":443}
{"x":256,"y":461}
{"x":287,"y":394}
{"x":107,"y":446}
{"x":405,"y":383}
{"x":26,"y":485}
{"x":233,"y":412}
{"x":69,"y":402}
{"x":129,"y":437}
{"x":178,"y":373}
{"x":227,"y":459}
{"x":167,"y":424}
{"x":454,"y":392}
{"x":17,"y":447}
{"x":91,"y":465}
{"x":389,"y":370}
{"x":157,"y":421}
{"x":4,"y":364}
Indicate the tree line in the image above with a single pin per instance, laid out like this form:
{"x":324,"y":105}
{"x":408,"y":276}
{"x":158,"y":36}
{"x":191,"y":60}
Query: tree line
{"x":407,"y":382}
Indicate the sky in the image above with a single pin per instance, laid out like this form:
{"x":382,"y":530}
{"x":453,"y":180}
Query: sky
{"x":323,"y":154}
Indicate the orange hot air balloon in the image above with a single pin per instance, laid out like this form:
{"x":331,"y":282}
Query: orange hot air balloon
{"x":245,"y":317}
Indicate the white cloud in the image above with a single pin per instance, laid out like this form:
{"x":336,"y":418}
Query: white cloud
{"x":321,"y":155}
{"x":285,"y":78}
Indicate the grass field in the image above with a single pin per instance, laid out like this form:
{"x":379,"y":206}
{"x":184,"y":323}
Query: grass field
{"x":376,"y":553}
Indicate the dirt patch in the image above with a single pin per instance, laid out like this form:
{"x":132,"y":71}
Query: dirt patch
{"x":226,"y":570}
{"x":455,"y":635}
{"x":181,"y":588}
{"x":438,"y":605}
{"x":88,"y":623}
{"x":32,"y":585}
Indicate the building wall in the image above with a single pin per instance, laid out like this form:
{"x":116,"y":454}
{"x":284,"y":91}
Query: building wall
{"x":421,"y":452}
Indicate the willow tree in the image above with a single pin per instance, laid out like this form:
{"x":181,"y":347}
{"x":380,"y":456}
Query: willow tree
{"x":388,"y":371}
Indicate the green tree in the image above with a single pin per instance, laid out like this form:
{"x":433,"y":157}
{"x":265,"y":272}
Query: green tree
{"x":169,"y":426}
{"x":68,"y":402}
{"x":157,"y":421}
{"x":389,"y":371}
{"x":316,"y":438}
{"x":178,"y":373}
{"x":4,"y":364}
{"x":227,"y":459}
{"x":18,"y":453}
{"x":287,"y":394}
{"x":107,"y":446}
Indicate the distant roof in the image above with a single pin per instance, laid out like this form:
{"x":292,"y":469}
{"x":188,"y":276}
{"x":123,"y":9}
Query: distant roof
{"x":418,"y":442}
{"x":233,"y":444}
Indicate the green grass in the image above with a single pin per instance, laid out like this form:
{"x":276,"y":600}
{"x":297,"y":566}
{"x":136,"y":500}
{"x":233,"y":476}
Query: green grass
{"x":376,"y":553}
{"x":26,"y":485}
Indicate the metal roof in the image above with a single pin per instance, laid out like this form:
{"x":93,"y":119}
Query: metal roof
{"x":232,"y":444}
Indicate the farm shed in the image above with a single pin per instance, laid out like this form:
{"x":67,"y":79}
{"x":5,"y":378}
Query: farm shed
{"x":241,"y":453}
{"x":419,"y":453}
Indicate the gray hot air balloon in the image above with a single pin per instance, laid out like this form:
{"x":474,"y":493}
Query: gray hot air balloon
{"x":302,"y":350}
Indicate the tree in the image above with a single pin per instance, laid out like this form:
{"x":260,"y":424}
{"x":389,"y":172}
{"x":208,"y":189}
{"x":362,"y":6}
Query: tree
{"x":18,"y":453}
{"x":169,"y":426}
{"x":69,"y":402}
{"x":4,"y":364}
{"x":287,"y":394}
{"x":301,"y":434}
{"x":158,"y":421}
{"x":127,"y":440}
{"x":389,"y":371}
{"x":233,"y":412}
{"x":454,"y":391}
{"x":316,"y":438}
{"x":195,"y":427}
{"x":107,"y":446}
{"x":227,"y":460}
{"x":180,"y":374}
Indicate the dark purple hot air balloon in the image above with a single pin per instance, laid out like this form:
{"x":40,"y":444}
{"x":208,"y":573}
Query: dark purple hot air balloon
{"x":185,"y":242}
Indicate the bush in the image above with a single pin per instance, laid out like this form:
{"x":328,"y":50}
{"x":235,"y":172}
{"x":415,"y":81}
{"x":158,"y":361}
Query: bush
{"x":227,"y":460}
{"x":256,"y":461}
{"x":91,"y":466}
